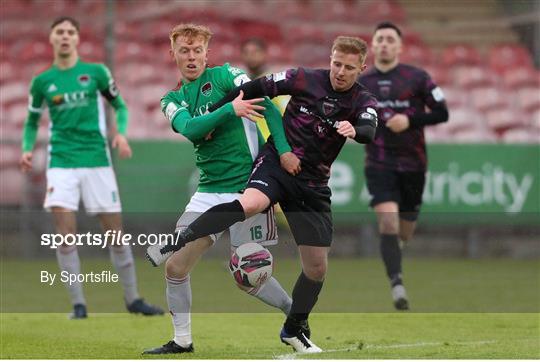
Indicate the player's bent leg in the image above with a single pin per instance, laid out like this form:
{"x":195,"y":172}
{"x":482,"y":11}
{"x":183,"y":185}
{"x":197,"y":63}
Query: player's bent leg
{"x":124,"y":264}
{"x":68,"y":259}
{"x":305,"y":294}
{"x":388,"y":220}
{"x":177,"y":269}
{"x":406,"y":229}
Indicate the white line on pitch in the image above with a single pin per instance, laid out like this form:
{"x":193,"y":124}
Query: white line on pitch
{"x":290,"y":356}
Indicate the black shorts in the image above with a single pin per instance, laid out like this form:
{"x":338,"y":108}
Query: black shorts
{"x":307,"y":209}
{"x":405,"y":188}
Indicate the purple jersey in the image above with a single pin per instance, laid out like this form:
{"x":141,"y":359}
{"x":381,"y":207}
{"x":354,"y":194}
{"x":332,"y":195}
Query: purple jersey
{"x":312,"y":116}
{"x":408,"y":90}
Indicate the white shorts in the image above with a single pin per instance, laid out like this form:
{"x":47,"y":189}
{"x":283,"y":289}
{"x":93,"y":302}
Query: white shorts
{"x":260,"y":228}
{"x":96,"y":185}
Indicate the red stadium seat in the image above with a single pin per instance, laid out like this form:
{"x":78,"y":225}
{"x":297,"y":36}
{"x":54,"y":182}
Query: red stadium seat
{"x":11,"y":187}
{"x":133,"y":51}
{"x":521,"y":77}
{"x":521,"y":135}
{"x":528,"y":98}
{"x":479,"y":135}
{"x":439,"y":75}
{"x":535,"y":119}
{"x":92,"y":52}
{"x":469,"y":77}
{"x":224,"y":53}
{"x":34,"y":51}
{"x":15,"y":91}
{"x":464,"y":118}
{"x":503,"y":57}
{"x":489,"y":98}
{"x":9,"y":155}
{"x":501,"y":120}
{"x":8,"y":72}
{"x":383,"y":10}
{"x":341,"y":10}
{"x":303,"y":32}
{"x":460,"y":54}
{"x":455,"y":97}
{"x":16,"y":113}
{"x":277,"y":53}
{"x":416,"y":54}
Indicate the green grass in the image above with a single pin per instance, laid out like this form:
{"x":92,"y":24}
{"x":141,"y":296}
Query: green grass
{"x":254,"y":336}
{"x":461,"y":309}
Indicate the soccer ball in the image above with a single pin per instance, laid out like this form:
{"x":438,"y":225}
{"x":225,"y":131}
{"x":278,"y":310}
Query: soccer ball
{"x":251,"y":265}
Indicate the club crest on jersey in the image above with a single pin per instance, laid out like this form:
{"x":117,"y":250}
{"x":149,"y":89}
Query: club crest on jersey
{"x":58,"y":99}
{"x":84,"y":80}
{"x":328,"y":108}
{"x":384,"y":91}
{"x":206,"y":89}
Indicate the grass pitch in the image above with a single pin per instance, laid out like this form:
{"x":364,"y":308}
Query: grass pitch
{"x":461,"y":309}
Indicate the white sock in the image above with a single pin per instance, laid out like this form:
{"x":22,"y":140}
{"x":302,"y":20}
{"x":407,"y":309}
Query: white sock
{"x":68,"y":260}
{"x":122,"y":259}
{"x":273,"y":294}
{"x":179,"y":302}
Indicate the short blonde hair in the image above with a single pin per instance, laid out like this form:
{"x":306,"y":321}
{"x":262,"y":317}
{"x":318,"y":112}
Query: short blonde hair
{"x":351,"y":45}
{"x":190,"y":31}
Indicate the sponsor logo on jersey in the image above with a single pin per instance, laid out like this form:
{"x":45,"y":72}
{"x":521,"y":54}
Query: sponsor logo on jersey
{"x":241,"y":79}
{"x":206,"y":89}
{"x":84,"y":80}
{"x":258,"y":182}
{"x":304,"y":109}
{"x":235,"y":71}
{"x":394,"y":104}
{"x":52,"y":88}
{"x":276,"y":77}
{"x":58,"y":99}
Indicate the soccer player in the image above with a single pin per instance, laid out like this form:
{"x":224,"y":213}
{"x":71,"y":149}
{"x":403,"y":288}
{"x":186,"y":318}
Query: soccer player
{"x":396,"y":160}
{"x":253,"y":52}
{"x":326,"y":108}
{"x":225,"y":146}
{"x":79,"y":160}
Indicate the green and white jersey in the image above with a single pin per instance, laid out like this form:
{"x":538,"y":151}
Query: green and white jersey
{"x":224,"y":149}
{"x":78,"y":127}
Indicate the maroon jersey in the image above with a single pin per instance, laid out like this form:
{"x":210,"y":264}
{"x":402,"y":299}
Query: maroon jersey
{"x":408,"y":90}
{"x":312,"y":117}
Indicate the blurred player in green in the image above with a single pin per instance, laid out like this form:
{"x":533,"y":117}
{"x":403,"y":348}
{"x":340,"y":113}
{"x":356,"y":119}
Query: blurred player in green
{"x":79,"y":162}
{"x":225,"y":146}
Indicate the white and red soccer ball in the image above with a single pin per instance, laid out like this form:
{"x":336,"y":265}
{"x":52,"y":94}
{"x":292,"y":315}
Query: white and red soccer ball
{"x":251,"y":265}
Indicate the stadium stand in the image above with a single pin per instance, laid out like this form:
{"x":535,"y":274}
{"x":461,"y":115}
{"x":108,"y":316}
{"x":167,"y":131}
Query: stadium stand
{"x":489,"y":78}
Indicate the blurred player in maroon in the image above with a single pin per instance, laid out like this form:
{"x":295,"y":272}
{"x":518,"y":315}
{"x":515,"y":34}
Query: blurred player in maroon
{"x":396,"y":160}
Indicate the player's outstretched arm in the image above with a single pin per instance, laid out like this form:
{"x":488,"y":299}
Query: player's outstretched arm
{"x":196,"y":128}
{"x":251,"y":89}
{"x":275,"y":125}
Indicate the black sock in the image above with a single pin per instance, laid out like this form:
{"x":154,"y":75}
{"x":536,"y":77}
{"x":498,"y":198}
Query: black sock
{"x":304,"y":296}
{"x":216,"y":219}
{"x":391,"y":255}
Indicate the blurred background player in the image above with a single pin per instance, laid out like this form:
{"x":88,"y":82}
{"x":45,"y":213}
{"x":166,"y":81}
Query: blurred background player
{"x":326,"y":108}
{"x":396,"y":161}
{"x":225,"y":145}
{"x":79,"y":163}
{"x":254,"y":57}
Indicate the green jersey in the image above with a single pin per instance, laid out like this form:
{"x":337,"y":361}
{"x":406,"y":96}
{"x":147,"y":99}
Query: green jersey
{"x":225,"y":145}
{"x":78,"y":127}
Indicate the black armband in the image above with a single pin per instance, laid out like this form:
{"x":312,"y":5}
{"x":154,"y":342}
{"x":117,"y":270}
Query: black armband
{"x":438,"y":114}
{"x":252,"y":89}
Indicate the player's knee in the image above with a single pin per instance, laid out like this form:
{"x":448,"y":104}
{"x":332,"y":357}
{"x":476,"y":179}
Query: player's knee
{"x":175,"y":270}
{"x":252,"y":207}
{"x":315,"y":271}
{"x":388,"y":224}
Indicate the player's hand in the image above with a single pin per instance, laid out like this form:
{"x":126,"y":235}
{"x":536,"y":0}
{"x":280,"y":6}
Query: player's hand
{"x":247,"y":107}
{"x":290,"y":163}
{"x":346,"y":129}
{"x":398,"y":123}
{"x":120,"y":142}
{"x":25,"y":163}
